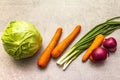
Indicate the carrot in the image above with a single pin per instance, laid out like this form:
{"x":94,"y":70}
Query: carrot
{"x":96,"y":43}
{"x":46,"y":54}
{"x":57,"y":51}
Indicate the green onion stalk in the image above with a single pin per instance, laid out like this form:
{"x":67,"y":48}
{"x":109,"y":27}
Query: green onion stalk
{"x":105,"y":28}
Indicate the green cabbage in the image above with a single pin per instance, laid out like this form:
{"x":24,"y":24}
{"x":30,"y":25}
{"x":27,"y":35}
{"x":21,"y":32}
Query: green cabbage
{"x":21,"y":39}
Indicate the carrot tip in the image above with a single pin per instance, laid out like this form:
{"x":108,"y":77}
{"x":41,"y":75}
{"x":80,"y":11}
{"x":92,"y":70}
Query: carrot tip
{"x":83,"y":60}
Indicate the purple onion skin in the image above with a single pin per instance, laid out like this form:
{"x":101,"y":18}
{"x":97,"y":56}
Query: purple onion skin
{"x":110,"y":44}
{"x":99,"y":54}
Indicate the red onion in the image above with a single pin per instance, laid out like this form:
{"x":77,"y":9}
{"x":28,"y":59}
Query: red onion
{"x":99,"y":54}
{"x":110,"y":44}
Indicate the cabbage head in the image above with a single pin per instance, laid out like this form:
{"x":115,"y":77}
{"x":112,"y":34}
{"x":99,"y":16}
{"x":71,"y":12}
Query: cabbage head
{"x":21,"y":39}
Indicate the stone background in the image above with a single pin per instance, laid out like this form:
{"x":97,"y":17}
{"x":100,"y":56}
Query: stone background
{"x":48,"y":15}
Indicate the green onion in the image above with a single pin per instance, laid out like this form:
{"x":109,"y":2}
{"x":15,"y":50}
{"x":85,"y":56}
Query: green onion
{"x":105,"y":28}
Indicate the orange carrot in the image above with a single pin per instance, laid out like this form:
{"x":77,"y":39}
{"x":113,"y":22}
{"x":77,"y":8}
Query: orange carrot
{"x":96,"y":43}
{"x":46,"y":54}
{"x":57,"y":51}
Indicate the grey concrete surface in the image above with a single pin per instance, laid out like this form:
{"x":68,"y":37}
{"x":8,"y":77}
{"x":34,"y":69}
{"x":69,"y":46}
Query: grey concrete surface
{"x":47,"y":15}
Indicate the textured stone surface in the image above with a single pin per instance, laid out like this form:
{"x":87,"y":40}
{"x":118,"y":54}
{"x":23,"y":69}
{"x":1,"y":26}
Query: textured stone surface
{"x":47,"y":15}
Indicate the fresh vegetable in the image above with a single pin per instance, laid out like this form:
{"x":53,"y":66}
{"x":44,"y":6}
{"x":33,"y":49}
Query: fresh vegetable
{"x":105,"y":29}
{"x":21,"y":39}
{"x":96,"y":43}
{"x":91,"y":58}
{"x":110,"y":44}
{"x":99,"y":54}
{"x":46,"y":54}
{"x":57,"y":51}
